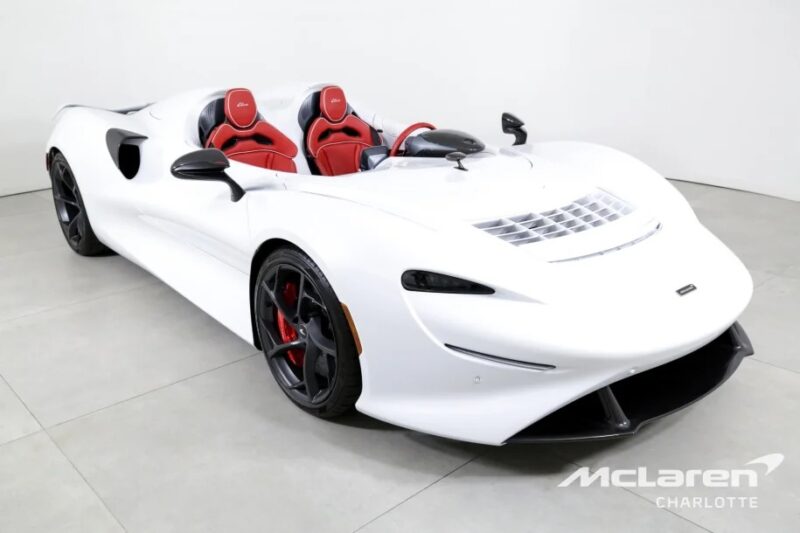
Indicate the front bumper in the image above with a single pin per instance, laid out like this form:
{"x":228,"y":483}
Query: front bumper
{"x":623,"y":407}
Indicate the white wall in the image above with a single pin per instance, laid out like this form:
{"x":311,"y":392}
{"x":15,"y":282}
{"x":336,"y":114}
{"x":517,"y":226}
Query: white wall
{"x":702,"y":90}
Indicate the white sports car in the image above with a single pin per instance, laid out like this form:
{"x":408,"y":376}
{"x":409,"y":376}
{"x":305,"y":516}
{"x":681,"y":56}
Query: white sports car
{"x":546,"y":291}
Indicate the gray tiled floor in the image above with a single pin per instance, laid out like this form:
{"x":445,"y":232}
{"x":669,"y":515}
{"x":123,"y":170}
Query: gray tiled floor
{"x":106,"y":428}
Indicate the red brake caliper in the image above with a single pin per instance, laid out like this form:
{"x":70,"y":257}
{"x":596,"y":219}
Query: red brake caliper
{"x":285,"y":329}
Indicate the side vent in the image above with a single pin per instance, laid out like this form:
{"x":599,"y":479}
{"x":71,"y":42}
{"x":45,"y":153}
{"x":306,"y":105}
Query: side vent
{"x":123,"y":147}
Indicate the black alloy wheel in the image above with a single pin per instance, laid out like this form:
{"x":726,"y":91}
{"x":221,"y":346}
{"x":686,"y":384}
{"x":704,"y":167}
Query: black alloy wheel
{"x":71,"y":211}
{"x":305,"y":335}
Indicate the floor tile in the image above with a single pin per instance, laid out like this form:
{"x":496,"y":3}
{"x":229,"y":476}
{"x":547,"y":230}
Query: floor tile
{"x":36,"y":281}
{"x":757,"y":228}
{"x":226,"y":451}
{"x":793,"y":271}
{"x":752,"y":415}
{"x":515,"y":488}
{"x":20,"y":204}
{"x":72,"y":360}
{"x":772,"y":321}
{"x":45,"y":194}
{"x":15,"y":420}
{"x":691,"y":191}
{"x":759,"y":277}
{"x":41,"y":492}
{"x":29,"y":232}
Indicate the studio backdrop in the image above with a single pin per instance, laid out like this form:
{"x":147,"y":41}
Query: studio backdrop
{"x":702,"y":90}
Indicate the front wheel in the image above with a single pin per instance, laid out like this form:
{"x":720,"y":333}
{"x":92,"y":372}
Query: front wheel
{"x":71,"y":210}
{"x":305,"y":335}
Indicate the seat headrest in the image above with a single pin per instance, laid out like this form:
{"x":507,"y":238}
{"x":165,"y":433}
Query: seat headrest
{"x":240,"y":108}
{"x":332,"y":103}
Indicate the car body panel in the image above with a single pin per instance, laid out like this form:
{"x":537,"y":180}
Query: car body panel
{"x":597,"y":306}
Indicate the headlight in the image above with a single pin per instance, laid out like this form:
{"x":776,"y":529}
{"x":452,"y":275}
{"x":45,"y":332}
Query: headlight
{"x":422,"y":281}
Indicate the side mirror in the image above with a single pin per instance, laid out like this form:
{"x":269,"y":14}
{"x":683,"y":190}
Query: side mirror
{"x":457,"y":157}
{"x":206,"y":165}
{"x":513,"y":126}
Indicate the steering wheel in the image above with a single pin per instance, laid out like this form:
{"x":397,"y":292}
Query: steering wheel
{"x":398,"y":142}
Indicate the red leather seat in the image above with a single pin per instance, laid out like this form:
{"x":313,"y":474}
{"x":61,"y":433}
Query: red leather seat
{"x":245,"y":137}
{"x":336,"y":138}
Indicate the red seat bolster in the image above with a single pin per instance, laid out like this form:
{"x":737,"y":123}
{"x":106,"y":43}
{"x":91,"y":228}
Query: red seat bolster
{"x":277,"y":153}
{"x":337,"y":146}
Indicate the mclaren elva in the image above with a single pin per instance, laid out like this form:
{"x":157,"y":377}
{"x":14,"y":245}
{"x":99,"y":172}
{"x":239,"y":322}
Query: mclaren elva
{"x":533,"y":292}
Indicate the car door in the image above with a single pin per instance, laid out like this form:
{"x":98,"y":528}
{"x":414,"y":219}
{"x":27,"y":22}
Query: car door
{"x":196,"y":239}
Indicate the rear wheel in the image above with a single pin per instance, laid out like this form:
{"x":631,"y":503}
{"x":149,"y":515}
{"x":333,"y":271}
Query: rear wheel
{"x":305,"y":335}
{"x":71,"y":211}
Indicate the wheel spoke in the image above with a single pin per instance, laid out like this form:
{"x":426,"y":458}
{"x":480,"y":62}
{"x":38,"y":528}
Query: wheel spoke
{"x":308,"y":378}
{"x":60,"y":198}
{"x":73,"y":229}
{"x":316,"y":336}
{"x":313,"y":300}
{"x":281,"y":306}
{"x":66,"y":178}
{"x":310,"y":372}
{"x":281,"y":349}
{"x":301,"y":288}
{"x":331,"y":367}
{"x":264,"y":327}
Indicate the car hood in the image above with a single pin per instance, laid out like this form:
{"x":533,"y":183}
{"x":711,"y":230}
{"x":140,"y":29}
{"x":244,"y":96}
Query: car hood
{"x":485,"y":201}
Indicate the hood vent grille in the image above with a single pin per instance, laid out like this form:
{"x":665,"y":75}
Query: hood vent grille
{"x":593,"y":210}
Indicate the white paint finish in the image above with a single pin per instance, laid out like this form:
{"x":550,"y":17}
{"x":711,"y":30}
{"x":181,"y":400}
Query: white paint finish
{"x":40,"y":492}
{"x":704,"y":91}
{"x":193,"y":237}
{"x":225,"y":439}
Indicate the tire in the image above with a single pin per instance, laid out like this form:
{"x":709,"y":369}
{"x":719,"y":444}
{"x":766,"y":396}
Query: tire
{"x":71,"y":211}
{"x":305,"y":335}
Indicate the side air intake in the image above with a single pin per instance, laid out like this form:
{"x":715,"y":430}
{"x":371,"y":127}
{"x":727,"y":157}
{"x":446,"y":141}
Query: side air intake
{"x":123,"y":147}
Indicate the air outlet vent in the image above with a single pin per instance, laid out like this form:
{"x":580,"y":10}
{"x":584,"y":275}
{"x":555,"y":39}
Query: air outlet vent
{"x":593,"y":210}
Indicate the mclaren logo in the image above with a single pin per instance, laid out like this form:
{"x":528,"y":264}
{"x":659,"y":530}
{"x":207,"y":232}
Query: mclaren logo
{"x":716,"y":479}
{"x":683,"y":291}
{"x":670,"y":478}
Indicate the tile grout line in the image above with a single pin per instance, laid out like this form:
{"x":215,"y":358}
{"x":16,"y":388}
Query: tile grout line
{"x":22,"y":402}
{"x":45,"y":429}
{"x":423,"y":489}
{"x":34,"y":191}
{"x":773,"y":365}
{"x":94,"y":491}
{"x":15,"y":439}
{"x":640,"y":496}
{"x":154,"y":282}
{"x":64,"y":455}
{"x":150,"y":391}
